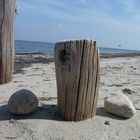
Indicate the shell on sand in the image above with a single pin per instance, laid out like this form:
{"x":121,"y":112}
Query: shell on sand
{"x":22,"y":102}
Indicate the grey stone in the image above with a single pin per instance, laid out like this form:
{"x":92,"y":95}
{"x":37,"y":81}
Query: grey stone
{"x":22,"y":102}
{"x":107,"y":123}
{"x":119,"y":105}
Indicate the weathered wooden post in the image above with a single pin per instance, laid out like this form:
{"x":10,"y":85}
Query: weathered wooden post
{"x":7,"y":13}
{"x":77,"y":73}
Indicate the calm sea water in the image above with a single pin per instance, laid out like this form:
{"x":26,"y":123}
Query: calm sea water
{"x":42,"y":47}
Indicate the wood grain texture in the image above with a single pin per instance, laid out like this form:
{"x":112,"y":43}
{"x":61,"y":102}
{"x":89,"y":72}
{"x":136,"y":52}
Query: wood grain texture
{"x":7,"y":14}
{"x":77,"y":76}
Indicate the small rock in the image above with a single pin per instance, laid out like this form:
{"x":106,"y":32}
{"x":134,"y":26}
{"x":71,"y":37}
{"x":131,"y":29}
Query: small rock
{"x":127,"y":91}
{"x":11,"y":121}
{"x":107,"y":123}
{"x":119,"y":105}
{"x":22,"y":102}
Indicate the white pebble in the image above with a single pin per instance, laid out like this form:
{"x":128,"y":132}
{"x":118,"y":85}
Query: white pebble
{"x":120,"y":105}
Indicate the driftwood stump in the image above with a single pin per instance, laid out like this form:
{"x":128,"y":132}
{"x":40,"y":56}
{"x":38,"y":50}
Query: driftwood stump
{"x":77,"y":74}
{"x":7,"y":13}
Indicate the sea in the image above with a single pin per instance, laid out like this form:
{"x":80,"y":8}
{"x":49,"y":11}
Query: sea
{"x":22,"y":47}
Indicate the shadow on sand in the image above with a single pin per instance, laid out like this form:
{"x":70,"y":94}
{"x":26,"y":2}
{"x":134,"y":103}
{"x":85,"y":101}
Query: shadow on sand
{"x":46,"y":111}
{"x":101,"y":112}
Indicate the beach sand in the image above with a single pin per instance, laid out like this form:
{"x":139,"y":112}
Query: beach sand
{"x":37,"y":73}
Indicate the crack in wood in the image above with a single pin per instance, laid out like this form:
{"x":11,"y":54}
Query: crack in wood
{"x":96,"y":85}
{"x":81,"y":65}
{"x":1,"y":44}
{"x":88,"y":86}
{"x":65,"y":101}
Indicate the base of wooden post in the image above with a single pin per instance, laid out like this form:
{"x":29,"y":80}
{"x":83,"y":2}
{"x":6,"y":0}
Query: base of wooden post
{"x":77,"y":74}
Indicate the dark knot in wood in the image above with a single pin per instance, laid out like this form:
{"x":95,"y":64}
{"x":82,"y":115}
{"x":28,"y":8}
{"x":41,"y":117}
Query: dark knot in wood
{"x":65,"y":58}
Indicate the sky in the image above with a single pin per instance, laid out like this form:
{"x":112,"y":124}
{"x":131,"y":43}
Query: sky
{"x":112,"y":23}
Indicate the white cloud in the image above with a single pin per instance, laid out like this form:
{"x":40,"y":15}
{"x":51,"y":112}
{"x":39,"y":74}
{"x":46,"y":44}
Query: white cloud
{"x":24,"y":6}
{"x":129,"y":5}
{"x":60,"y":26}
{"x":83,"y":1}
{"x":77,"y":14}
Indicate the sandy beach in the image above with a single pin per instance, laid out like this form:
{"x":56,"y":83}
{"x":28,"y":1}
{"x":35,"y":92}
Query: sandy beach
{"x":37,"y":73}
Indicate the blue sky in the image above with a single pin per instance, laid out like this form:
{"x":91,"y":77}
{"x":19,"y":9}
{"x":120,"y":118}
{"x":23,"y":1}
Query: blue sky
{"x":110,"y":22}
